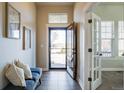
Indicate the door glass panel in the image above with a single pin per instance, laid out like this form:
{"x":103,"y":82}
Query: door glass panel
{"x":58,"y":48}
{"x":94,"y":62}
{"x":96,"y":36}
{"x":70,"y":49}
{"x":97,"y":62}
{"x":94,"y":75}
{"x":97,"y":74}
{"x":95,"y":24}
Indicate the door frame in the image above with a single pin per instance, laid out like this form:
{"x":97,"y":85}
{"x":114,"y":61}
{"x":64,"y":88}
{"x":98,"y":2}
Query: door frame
{"x":49,"y":47}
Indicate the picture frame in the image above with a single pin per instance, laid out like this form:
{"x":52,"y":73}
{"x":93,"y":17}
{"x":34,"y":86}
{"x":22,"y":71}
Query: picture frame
{"x":26,"y":38}
{"x":13,"y":21}
{"x":1,"y":28}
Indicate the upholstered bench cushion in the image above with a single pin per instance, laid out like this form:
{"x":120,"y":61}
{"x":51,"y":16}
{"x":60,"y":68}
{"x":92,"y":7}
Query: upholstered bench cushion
{"x":31,"y":84}
{"x":37,"y":70}
{"x":36,"y":76}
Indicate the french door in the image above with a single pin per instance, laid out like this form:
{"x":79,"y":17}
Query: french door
{"x":96,"y":59}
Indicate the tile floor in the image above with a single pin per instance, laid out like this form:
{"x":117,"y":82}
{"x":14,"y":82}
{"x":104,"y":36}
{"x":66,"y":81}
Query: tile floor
{"x":112,"y":80}
{"x":58,"y":80}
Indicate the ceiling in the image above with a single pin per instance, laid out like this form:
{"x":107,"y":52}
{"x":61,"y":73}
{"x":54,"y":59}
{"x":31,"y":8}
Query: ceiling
{"x":54,"y":3}
{"x":111,"y":3}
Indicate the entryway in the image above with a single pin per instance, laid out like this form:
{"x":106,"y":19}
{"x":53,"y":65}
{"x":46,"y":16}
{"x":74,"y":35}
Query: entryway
{"x":57,"y":47}
{"x":63,"y":48}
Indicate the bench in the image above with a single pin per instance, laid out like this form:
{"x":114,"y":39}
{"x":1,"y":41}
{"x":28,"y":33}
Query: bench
{"x":31,"y":84}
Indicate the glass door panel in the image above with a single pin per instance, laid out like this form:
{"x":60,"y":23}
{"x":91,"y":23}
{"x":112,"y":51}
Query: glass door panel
{"x":57,"y":48}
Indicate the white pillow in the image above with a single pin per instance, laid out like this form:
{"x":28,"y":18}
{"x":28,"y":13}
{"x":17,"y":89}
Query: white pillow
{"x":15,"y":75}
{"x":26,"y":68}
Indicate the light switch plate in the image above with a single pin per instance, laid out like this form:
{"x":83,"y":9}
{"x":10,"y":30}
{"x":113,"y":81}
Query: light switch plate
{"x":42,"y":46}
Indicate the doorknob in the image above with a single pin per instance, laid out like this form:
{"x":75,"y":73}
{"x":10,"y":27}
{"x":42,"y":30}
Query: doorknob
{"x":74,"y":52}
{"x":100,"y":54}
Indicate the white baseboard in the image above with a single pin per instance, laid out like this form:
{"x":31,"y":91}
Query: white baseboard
{"x":112,"y":69}
{"x":45,"y":69}
{"x":80,"y":83}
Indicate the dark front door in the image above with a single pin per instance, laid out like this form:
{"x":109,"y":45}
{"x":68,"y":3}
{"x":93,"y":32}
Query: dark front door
{"x":71,"y":50}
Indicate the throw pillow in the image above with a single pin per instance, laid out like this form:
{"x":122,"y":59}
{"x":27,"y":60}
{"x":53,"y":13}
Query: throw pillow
{"x":26,"y":68}
{"x":15,"y":75}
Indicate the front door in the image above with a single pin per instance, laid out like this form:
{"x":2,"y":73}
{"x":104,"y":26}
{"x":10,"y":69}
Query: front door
{"x":57,"y":47}
{"x":71,"y":50}
{"x":96,"y":59}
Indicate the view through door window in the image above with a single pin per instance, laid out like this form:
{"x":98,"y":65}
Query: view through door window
{"x":58,"y":48}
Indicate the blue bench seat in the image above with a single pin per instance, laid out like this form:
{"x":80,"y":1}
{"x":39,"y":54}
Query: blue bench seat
{"x":31,"y":84}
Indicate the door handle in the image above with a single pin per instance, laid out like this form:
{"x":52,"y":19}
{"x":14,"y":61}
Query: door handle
{"x":100,"y":54}
{"x":73,"y":51}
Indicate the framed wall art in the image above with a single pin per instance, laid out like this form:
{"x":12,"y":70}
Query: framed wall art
{"x":13,"y":22}
{"x":26,"y":38}
{"x":1,"y":20}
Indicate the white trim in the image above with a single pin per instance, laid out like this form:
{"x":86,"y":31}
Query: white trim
{"x":47,"y":40}
{"x":80,"y":83}
{"x":112,"y":69}
{"x":45,"y":69}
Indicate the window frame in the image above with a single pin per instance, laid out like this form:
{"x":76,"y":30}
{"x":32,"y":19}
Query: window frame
{"x":59,"y":22}
{"x":120,"y":38}
{"x":111,"y":39}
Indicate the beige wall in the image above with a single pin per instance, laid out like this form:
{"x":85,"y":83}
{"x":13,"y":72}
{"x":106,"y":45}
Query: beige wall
{"x":11,"y":49}
{"x":42,"y":33}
